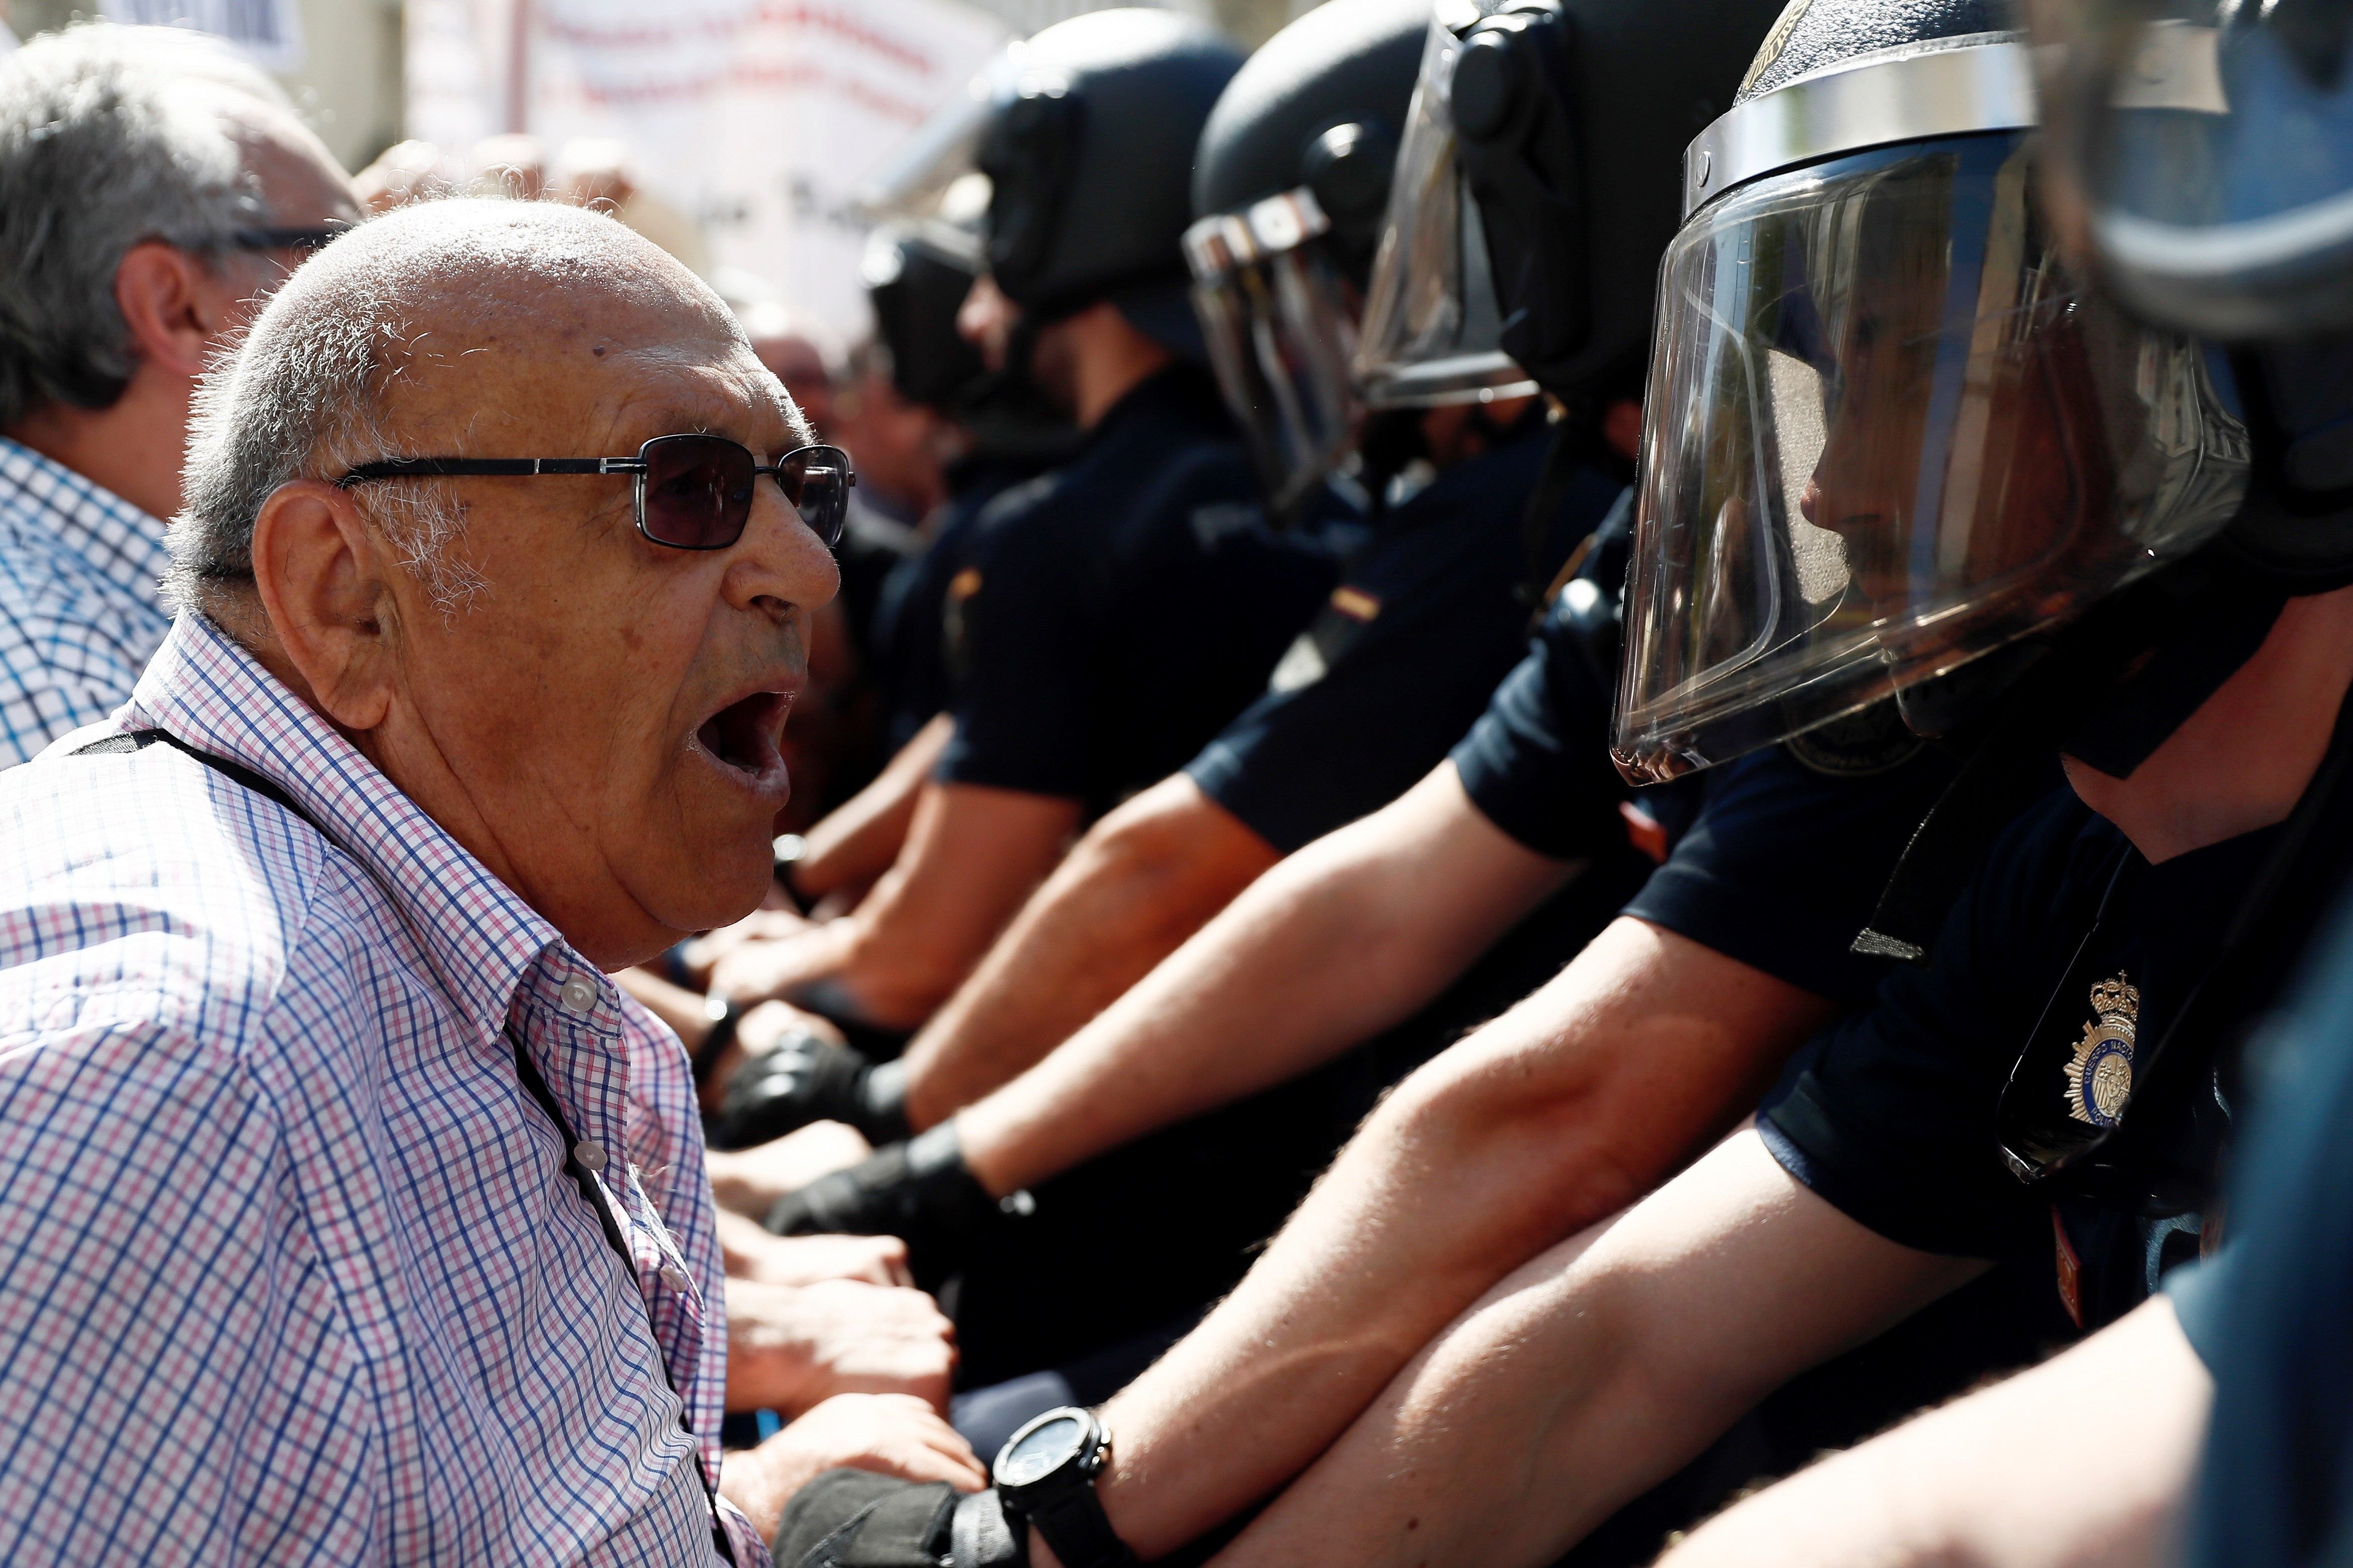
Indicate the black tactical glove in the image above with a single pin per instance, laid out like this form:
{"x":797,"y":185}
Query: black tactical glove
{"x":921,"y":1191}
{"x":810,"y":1078}
{"x":855,"y":1518}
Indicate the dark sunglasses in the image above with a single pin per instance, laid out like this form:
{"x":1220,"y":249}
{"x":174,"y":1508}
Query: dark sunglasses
{"x":693,"y":492}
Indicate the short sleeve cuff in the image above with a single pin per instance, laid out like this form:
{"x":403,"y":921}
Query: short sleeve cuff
{"x":2199,"y":1292}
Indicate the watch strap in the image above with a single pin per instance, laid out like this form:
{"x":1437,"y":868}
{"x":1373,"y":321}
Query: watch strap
{"x":1073,"y":1522}
{"x":716,"y":1039}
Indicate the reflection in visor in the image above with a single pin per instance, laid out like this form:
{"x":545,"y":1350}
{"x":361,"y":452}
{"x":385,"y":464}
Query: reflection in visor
{"x":2206,"y":147}
{"x":1274,"y":310}
{"x":1432,"y":332}
{"x":1888,"y":432}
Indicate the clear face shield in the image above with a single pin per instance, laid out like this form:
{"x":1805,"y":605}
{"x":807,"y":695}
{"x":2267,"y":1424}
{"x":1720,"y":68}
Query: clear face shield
{"x":1888,"y":430}
{"x":1277,"y":315}
{"x":1431,"y":329}
{"x":2202,"y":150}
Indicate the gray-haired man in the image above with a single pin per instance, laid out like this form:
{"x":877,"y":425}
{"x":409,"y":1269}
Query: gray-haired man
{"x":151,"y":188}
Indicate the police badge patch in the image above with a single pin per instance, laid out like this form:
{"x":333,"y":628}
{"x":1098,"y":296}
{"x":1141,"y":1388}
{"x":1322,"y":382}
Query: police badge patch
{"x":2099,"y":1079}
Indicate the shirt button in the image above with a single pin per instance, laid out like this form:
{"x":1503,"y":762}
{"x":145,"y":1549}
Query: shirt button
{"x":673,"y":1276}
{"x":579,"y":994}
{"x":590,"y":1153}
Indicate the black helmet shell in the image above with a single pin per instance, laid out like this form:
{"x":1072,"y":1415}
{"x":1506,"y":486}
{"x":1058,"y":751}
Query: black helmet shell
{"x":1087,"y":156}
{"x":1320,"y":104}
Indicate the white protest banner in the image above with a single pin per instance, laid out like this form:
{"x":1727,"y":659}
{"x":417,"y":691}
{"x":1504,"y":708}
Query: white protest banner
{"x":755,"y":117}
{"x":268,"y":32}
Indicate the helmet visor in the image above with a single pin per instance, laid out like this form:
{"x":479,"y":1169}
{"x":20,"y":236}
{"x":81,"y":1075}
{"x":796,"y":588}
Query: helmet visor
{"x":1275,"y":314}
{"x":1432,"y":332}
{"x":2205,"y":150}
{"x":1888,"y":432}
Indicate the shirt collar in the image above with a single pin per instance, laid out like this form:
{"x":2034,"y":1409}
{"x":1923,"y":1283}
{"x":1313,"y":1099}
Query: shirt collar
{"x":478,"y":933}
{"x":118,"y":541}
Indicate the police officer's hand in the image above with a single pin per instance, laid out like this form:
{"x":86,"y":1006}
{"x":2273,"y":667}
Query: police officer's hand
{"x":846,"y":1517}
{"x":807,"y":1077}
{"x":750,"y":1253}
{"x":791,"y":1348}
{"x":750,"y":1180}
{"x":883,"y":1435}
{"x":921,"y":1190}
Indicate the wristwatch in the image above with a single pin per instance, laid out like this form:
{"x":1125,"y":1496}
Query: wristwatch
{"x":1046,"y":1474}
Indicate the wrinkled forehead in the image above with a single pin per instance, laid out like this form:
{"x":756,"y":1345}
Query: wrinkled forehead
{"x":573,"y":368}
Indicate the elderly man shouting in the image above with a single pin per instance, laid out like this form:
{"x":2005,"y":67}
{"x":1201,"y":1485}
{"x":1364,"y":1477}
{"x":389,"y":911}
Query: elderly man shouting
{"x":347,"y":1212}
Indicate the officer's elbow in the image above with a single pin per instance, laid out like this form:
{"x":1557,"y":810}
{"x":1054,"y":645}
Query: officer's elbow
{"x":1177,"y":855}
{"x":1493,"y":1121}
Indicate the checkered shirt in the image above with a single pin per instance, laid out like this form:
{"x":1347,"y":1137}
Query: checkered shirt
{"x":291,"y":1270}
{"x":79,"y":612}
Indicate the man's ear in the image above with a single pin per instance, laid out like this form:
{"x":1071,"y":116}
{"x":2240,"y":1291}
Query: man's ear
{"x":172,"y":304}
{"x":320,"y":570}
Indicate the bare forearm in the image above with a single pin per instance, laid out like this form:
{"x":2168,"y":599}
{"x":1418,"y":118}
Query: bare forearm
{"x":1145,"y":878}
{"x":1999,"y":1480}
{"x":1595,"y":1372}
{"x":1555,"y":1115}
{"x":970,"y":859}
{"x":859,"y":840}
{"x":1340,"y":941}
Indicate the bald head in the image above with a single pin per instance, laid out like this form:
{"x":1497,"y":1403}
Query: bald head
{"x":454,"y":328}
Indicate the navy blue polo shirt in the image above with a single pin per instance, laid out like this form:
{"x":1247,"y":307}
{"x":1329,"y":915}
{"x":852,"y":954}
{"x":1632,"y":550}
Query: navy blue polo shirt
{"x":1892,"y":1114}
{"x":1401,"y":659}
{"x":1778,"y":860}
{"x":1791,"y":849}
{"x":911,"y":664}
{"x":1114,"y":615}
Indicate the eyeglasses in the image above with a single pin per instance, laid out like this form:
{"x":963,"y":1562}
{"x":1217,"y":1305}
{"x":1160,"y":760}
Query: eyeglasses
{"x":693,"y":492}
{"x":303,"y":239}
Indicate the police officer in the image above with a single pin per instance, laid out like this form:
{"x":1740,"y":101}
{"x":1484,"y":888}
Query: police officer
{"x":1291,"y":180}
{"x":1005,"y":433}
{"x":1114,"y":612}
{"x":2184,"y":157}
{"x":1902,"y":277}
{"x":1008,"y":433}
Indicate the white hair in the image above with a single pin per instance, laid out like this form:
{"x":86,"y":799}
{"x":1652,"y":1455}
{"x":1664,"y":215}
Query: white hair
{"x":306,"y":394}
{"x":110,"y":135}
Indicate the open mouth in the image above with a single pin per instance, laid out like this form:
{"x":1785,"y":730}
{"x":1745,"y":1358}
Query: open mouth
{"x":746,"y":737}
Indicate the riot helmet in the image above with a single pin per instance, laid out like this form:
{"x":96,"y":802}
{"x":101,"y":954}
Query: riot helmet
{"x":1053,"y":172}
{"x":1536,"y":188}
{"x":1084,"y":150}
{"x":915,"y":286}
{"x":1889,"y":428}
{"x":1289,"y":186}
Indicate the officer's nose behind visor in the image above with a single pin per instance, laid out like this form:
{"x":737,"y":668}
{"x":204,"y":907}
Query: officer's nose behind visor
{"x":1432,"y":332}
{"x":1888,"y":431}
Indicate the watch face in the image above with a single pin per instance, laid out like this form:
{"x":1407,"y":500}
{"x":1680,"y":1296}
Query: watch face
{"x":1041,"y":1451}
